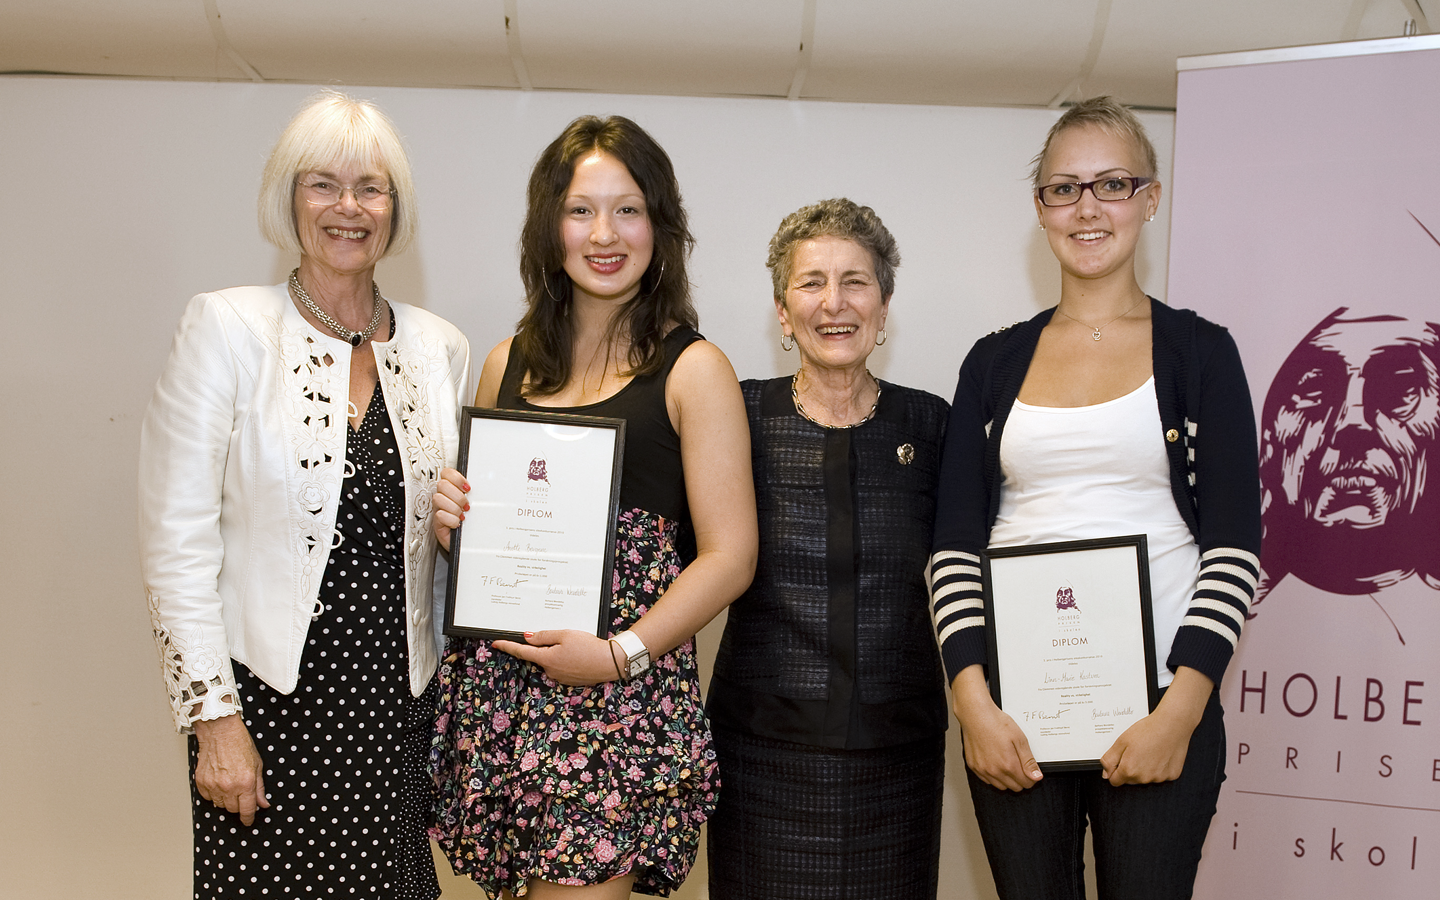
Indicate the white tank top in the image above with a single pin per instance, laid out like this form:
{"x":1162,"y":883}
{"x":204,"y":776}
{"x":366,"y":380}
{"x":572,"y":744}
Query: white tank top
{"x":1099,"y":471}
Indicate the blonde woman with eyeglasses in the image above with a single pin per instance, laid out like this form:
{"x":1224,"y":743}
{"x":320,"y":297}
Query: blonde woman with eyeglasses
{"x":288,"y":457}
{"x":1108,"y":414}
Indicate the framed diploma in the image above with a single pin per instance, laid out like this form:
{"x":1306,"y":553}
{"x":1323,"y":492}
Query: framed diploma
{"x":1072,"y":651}
{"x":536,"y":550}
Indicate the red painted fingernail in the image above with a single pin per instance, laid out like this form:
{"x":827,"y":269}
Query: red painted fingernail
{"x":529,"y":634}
{"x":467,"y":507}
{"x":467,"y":487}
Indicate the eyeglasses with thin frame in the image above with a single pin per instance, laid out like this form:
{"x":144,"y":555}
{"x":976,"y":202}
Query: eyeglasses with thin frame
{"x":320,"y":191}
{"x":1109,"y":189}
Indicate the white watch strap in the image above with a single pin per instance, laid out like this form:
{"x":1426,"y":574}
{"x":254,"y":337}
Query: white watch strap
{"x":631,"y":643}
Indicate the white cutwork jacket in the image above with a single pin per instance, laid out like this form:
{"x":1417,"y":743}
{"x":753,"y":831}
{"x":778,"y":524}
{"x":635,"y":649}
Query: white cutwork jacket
{"x":242,"y":456}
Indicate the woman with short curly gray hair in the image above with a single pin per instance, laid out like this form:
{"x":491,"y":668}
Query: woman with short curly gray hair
{"x":839,"y":218}
{"x":827,"y":699}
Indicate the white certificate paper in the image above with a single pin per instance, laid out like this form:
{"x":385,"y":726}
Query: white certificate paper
{"x":1072,"y":652}
{"x":536,"y":549}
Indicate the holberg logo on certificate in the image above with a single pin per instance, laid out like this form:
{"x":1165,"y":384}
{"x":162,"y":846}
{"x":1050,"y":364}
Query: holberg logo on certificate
{"x":536,"y":550}
{"x":1072,"y":652}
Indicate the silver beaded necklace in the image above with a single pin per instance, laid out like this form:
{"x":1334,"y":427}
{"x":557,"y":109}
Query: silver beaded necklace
{"x":800,"y":407}
{"x":356,"y":338}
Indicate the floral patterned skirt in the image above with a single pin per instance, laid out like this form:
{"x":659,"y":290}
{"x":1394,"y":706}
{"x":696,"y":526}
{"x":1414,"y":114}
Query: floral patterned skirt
{"x":577,"y":785}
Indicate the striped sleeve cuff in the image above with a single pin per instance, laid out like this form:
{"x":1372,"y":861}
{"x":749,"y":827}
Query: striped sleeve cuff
{"x":1211,"y":627}
{"x":957,"y":609}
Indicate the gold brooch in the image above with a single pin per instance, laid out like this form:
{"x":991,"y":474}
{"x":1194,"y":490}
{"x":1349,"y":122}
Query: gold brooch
{"x":905,"y":454}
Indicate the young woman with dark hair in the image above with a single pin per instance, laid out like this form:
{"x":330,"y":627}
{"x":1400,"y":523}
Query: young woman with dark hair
{"x":571,"y":765}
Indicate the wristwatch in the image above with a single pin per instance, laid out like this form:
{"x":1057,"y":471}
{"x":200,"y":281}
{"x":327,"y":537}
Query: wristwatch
{"x":637,"y":656}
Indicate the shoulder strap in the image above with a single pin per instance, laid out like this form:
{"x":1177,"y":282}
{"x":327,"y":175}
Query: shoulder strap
{"x":510,"y":382}
{"x":680,"y":337}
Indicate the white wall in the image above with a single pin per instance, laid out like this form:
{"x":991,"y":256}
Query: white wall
{"x":124,"y":198}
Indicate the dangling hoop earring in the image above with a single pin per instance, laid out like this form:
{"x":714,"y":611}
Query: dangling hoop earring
{"x":787,"y":342}
{"x":880,"y":338}
{"x":659,"y":278}
{"x":547,"y":290}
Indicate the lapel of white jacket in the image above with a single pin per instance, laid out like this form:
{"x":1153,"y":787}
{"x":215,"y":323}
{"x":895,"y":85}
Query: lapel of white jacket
{"x":407,"y":377}
{"x":314,"y":382}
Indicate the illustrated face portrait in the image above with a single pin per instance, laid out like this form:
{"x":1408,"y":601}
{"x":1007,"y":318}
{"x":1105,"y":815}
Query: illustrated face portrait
{"x":1351,"y":420}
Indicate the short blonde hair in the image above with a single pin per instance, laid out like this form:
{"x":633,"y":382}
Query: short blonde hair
{"x":335,"y":129}
{"x":1109,"y":115}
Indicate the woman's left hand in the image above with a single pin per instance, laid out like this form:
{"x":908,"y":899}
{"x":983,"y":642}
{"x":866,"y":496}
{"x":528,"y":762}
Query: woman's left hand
{"x":450,"y":504}
{"x":576,"y":658}
{"x":1154,"y":748}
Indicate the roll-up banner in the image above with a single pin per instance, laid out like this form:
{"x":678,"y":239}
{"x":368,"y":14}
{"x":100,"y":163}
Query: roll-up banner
{"x":1306,"y":218}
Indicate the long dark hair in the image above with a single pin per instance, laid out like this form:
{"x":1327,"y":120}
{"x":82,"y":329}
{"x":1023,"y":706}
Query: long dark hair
{"x":545,"y":335}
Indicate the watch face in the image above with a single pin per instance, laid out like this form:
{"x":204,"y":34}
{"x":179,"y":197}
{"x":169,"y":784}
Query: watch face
{"x":639,"y":663}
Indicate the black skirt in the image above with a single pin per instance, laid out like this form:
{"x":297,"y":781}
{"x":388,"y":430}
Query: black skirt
{"x":797,"y":822}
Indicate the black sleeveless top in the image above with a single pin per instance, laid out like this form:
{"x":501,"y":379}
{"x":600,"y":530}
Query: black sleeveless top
{"x":652,"y":478}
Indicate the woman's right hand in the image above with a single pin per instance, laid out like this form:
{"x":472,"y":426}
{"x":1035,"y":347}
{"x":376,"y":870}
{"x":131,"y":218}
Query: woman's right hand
{"x":450,"y":505}
{"x":229,"y":772}
{"x":996,"y":750}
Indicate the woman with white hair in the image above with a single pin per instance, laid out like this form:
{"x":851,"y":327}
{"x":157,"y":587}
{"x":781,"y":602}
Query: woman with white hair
{"x":287,"y":461}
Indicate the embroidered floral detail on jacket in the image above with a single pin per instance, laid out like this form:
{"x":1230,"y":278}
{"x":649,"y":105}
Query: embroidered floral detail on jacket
{"x":411,"y":374}
{"x":196,"y":678}
{"x":311,"y":384}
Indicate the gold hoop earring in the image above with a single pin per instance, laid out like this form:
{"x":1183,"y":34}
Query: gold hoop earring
{"x":787,"y":342}
{"x":880,"y":338}
{"x":547,"y":290}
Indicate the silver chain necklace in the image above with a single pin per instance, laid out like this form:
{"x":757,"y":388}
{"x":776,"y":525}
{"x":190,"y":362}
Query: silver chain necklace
{"x":800,"y":407}
{"x":1095,"y":329}
{"x":356,"y":338}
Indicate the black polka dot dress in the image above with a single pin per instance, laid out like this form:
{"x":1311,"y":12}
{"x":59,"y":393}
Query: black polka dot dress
{"x":345,"y":753}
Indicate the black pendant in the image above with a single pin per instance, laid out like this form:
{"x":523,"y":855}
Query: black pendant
{"x":355,"y":340}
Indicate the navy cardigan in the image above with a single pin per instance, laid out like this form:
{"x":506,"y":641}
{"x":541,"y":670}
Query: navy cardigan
{"x":1209,"y":432}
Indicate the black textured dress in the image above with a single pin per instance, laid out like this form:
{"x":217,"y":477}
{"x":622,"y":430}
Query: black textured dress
{"x":345,"y":752}
{"x":827,"y":700}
